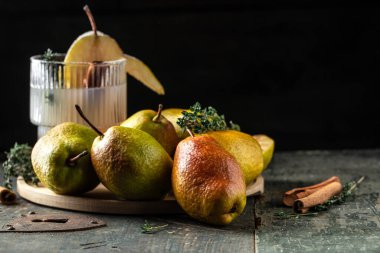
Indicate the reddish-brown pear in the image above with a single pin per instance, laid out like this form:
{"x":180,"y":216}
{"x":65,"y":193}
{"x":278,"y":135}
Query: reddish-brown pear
{"x":207,"y":181}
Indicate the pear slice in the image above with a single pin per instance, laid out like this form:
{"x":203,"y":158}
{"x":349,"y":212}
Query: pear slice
{"x":267,"y":147}
{"x":95,"y":46}
{"x":142,"y":72}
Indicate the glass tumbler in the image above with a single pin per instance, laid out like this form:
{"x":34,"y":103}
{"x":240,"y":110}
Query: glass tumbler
{"x":99,"y":88}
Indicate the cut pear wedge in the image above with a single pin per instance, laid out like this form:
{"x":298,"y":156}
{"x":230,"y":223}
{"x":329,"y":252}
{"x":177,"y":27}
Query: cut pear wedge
{"x":95,"y":46}
{"x":142,"y":73}
{"x":267,"y":147}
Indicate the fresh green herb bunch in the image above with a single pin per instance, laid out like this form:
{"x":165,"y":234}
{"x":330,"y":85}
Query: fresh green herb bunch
{"x":48,"y":55}
{"x":200,"y":120}
{"x":19,"y":163}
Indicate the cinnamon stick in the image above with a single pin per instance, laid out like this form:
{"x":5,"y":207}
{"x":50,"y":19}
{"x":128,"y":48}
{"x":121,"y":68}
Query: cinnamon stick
{"x":318,"y":197}
{"x":298,"y":193}
{"x":7,"y":196}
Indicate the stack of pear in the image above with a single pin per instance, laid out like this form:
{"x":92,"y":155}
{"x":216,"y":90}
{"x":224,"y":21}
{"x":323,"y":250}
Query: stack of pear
{"x":207,"y":181}
{"x":211,"y":172}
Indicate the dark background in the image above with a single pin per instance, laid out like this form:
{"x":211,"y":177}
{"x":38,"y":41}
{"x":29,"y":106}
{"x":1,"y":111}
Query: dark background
{"x":305,"y":74}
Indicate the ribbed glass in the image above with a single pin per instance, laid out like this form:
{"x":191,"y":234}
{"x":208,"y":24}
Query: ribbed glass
{"x":55,"y":87}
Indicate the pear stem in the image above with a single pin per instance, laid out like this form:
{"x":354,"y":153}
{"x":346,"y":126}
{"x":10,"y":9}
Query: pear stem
{"x":190,"y":132}
{"x":88,"y":75}
{"x":72,"y":161}
{"x":91,"y":18}
{"x":157,"y":117}
{"x":79,"y":110}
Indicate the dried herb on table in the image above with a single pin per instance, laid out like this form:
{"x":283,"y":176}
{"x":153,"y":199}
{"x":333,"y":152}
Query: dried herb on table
{"x":286,"y":215}
{"x":200,"y":120}
{"x":339,"y":199}
{"x":148,"y":228}
{"x":18,"y":163}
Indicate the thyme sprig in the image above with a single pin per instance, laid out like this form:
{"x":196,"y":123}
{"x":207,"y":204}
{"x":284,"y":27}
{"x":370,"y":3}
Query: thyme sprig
{"x":200,"y":120}
{"x":287,"y":215}
{"x":18,"y":163}
{"x":48,"y":55}
{"x":347,"y":191}
{"x":342,"y":197}
{"x":148,"y":228}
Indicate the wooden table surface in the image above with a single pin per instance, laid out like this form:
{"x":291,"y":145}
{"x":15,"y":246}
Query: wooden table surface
{"x":351,"y":227}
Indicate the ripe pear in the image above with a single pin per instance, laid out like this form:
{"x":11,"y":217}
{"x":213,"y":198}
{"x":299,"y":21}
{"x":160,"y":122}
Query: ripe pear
{"x":244,"y":148}
{"x":267,"y":147}
{"x":96,"y":47}
{"x":172,"y":114}
{"x":132,"y":164}
{"x":62,"y":161}
{"x":155,"y":124}
{"x":207,"y":181}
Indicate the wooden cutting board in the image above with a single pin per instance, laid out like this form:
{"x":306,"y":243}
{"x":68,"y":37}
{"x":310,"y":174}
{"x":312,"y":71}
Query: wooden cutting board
{"x":101,"y":200}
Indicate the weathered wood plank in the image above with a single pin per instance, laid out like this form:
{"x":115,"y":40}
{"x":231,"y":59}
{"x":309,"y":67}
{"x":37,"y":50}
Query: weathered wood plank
{"x":354,"y":226}
{"x":101,"y":200}
{"x":351,"y":227}
{"x":123,"y":234}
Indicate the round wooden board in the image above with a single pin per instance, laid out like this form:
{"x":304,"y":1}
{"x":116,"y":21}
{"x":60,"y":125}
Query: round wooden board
{"x":101,"y":200}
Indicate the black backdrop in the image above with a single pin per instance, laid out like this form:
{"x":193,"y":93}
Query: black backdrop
{"x":306,"y":74}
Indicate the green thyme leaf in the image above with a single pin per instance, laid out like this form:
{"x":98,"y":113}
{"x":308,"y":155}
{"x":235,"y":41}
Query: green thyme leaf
{"x":148,"y":228}
{"x":200,"y":120}
{"x":286,"y":215}
{"x":49,"y":55}
{"x":18,"y":163}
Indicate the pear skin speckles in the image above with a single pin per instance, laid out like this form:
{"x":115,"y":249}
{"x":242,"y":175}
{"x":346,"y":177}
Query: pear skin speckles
{"x":207,"y":181}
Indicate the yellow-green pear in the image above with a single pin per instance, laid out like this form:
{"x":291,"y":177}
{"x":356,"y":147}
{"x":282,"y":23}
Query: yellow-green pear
{"x":244,"y":148}
{"x":61,"y":159}
{"x":155,"y":124}
{"x":132,"y":164}
{"x":267,"y":146}
{"x":172,"y":114}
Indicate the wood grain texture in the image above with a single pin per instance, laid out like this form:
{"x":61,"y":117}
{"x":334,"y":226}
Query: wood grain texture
{"x":51,"y":223}
{"x":123,"y":234}
{"x":351,"y":227}
{"x":101,"y":200}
